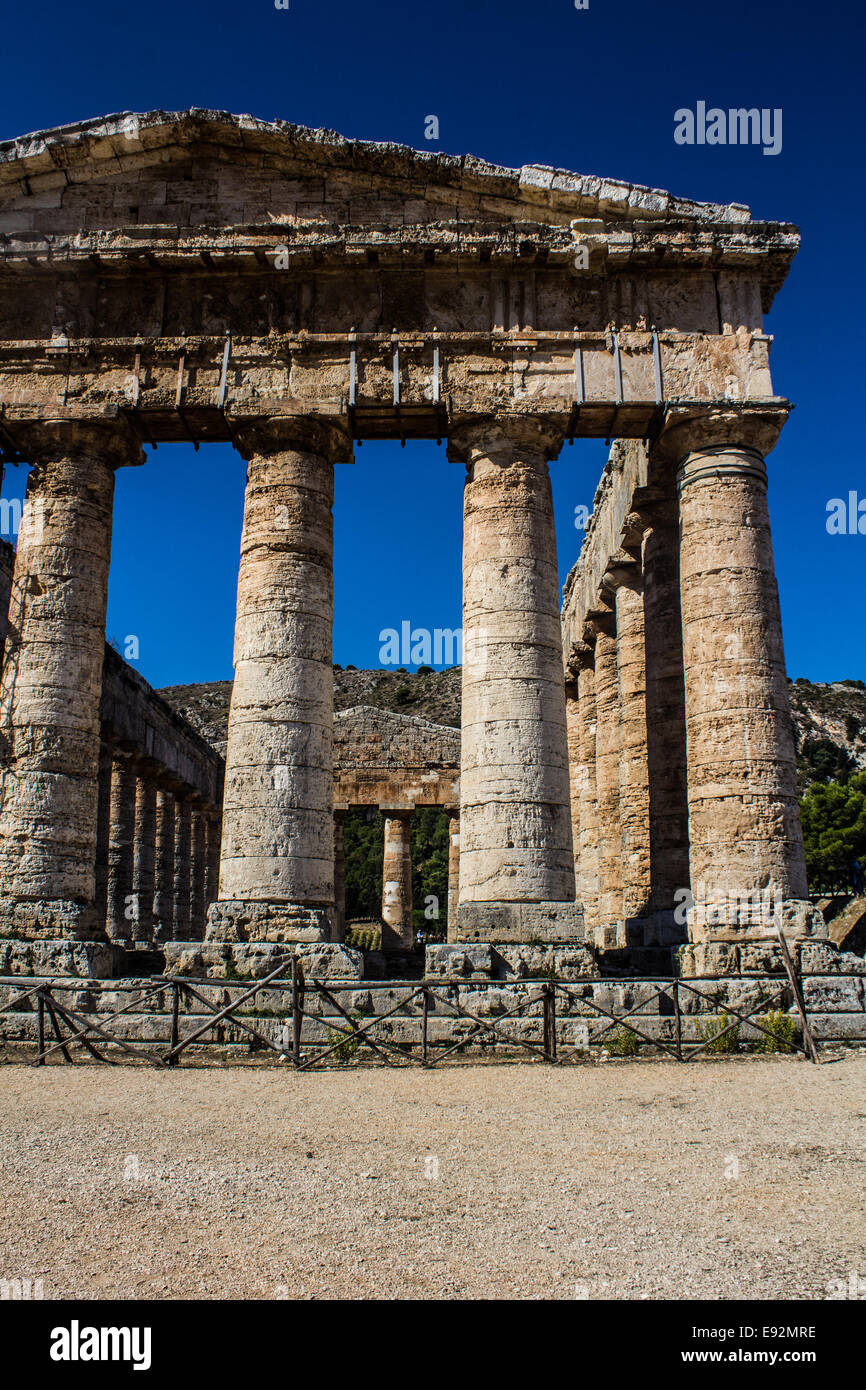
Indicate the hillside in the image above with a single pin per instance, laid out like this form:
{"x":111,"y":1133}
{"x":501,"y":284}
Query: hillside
{"x":829,"y":720}
{"x":434,"y":695}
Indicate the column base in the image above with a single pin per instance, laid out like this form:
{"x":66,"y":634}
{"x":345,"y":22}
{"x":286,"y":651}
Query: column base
{"x":501,"y":961}
{"x":224,"y":960}
{"x":238,"y":920}
{"x":526,"y":923}
{"x":88,"y":960}
{"x":51,"y":918}
{"x":734,"y":922}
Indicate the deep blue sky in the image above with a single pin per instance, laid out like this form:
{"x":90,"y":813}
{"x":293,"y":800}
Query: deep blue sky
{"x":593,"y":91}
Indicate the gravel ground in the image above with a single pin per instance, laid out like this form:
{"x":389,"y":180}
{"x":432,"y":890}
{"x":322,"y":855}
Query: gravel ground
{"x":491,"y":1181}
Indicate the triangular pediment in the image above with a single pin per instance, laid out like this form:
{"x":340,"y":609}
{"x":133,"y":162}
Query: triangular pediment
{"x":206,"y":168}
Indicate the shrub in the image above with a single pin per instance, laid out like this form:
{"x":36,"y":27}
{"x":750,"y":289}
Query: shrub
{"x":347,"y":1045}
{"x":785,"y":1029}
{"x":623,"y":1043}
{"x":708,"y":1033}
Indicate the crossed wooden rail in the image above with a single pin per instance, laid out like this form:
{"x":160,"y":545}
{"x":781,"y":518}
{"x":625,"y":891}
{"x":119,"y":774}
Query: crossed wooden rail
{"x":353,"y":1033}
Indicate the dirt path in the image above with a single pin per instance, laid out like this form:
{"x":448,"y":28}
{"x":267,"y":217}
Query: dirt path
{"x":632,"y":1180}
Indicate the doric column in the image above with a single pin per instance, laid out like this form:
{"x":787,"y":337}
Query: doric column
{"x":339,"y":931}
{"x":572,"y":725}
{"x":277,"y":860}
{"x":453,"y":871}
{"x":666,"y":721}
{"x":181,"y":906}
{"x":607,"y":759}
{"x":144,"y":859}
{"x":122,"y":914}
{"x":515,"y":817}
{"x":747,"y":859}
{"x":52,"y":680}
{"x":398,"y":932}
{"x":212,"y":873}
{"x":197,"y":869}
{"x":103,"y":825}
{"x":625,"y":580}
{"x":587,"y":883}
{"x":163,"y":897}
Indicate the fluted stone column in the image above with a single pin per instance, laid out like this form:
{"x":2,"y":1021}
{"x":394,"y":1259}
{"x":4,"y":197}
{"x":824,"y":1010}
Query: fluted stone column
{"x":666,"y":723}
{"x":197,"y":869}
{"x":122,"y":908}
{"x":516,"y":857}
{"x":277,"y":859}
{"x":587,"y":884}
{"x":607,"y":759}
{"x":339,"y":933}
{"x":144,"y":859}
{"x":633,"y":770}
{"x":182,"y":902}
{"x":52,"y":682}
{"x":212,"y":872}
{"x":572,"y":724}
{"x":747,"y":862}
{"x":398,"y":929}
{"x":163,"y":897}
{"x":453,"y":872}
{"x":103,"y":826}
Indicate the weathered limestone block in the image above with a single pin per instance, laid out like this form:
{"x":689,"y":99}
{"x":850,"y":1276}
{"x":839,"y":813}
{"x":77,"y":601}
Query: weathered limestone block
{"x":820,"y":958}
{"x":247,"y":920}
{"x":397,"y":923}
{"x":52,"y":674}
{"x":515,"y":836}
{"x":254,"y":960}
{"x":744,"y":822}
{"x":278,"y":832}
{"x":516,"y":922}
{"x":503,"y":961}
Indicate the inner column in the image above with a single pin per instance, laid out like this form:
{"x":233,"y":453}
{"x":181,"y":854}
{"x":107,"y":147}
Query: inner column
{"x":516,"y":854}
{"x":397,"y":883}
{"x":277,"y":855}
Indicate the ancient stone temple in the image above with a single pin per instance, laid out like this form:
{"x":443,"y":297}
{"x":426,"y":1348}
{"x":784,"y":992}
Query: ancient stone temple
{"x":627,"y":765}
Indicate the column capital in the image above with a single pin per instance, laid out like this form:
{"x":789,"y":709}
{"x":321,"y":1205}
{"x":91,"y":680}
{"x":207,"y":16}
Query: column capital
{"x":500,"y":436}
{"x":580,"y":655}
{"x":623,"y":571}
{"x":691,"y":429}
{"x":327,"y":437}
{"x":62,"y":439}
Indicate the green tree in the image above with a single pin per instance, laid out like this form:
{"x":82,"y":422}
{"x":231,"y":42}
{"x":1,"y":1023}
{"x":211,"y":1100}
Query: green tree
{"x":825,"y":761}
{"x":430,"y":870}
{"x":364,"y":847}
{"x":834,"y":827}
